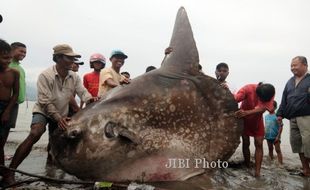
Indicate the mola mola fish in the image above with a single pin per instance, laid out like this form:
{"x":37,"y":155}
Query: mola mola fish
{"x":157,"y":128}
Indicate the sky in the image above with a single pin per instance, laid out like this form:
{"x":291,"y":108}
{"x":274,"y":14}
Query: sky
{"x":256,"y":38}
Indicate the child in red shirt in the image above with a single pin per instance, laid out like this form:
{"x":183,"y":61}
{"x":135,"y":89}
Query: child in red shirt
{"x":91,"y":80}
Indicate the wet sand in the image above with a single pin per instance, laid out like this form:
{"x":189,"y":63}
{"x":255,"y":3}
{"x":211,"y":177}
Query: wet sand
{"x":239,"y":177}
{"x":273,"y":176}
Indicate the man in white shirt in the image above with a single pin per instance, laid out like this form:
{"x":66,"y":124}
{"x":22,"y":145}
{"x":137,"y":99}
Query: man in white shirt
{"x":56,"y":86}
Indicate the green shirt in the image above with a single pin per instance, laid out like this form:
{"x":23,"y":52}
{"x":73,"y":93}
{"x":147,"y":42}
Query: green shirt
{"x":22,"y":81}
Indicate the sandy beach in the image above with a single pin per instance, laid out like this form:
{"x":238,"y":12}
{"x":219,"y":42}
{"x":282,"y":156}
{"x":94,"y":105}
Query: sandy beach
{"x":236,"y":177}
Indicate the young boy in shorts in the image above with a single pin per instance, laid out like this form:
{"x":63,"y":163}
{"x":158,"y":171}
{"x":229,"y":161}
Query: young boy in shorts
{"x":273,"y":132}
{"x":9,"y":88}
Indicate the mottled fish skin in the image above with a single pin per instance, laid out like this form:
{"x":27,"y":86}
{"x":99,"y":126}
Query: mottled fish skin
{"x":171,"y":112}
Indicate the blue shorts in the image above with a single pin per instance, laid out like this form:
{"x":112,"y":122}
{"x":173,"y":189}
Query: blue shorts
{"x":12,"y":120}
{"x":272,"y":141}
{"x":43,"y":120}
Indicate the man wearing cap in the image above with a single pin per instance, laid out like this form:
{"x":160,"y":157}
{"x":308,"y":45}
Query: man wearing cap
{"x":91,"y":80}
{"x":76,"y":65}
{"x":73,"y":105}
{"x":111,"y":77}
{"x":56,"y":85}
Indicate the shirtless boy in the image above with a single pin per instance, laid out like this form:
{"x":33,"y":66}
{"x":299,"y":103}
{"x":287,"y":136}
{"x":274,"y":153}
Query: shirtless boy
{"x":9,"y":88}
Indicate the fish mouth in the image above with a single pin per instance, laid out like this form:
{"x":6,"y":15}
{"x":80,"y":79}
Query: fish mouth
{"x":74,"y":130}
{"x":74,"y":134}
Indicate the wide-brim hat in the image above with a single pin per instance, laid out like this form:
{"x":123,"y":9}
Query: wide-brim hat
{"x":65,"y":49}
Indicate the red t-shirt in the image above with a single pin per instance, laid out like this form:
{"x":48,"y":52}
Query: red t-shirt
{"x":253,"y":124}
{"x":91,"y":82}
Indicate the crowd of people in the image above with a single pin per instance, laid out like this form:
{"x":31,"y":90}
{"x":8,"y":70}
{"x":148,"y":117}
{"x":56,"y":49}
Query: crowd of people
{"x":295,"y":106}
{"x":55,"y":106}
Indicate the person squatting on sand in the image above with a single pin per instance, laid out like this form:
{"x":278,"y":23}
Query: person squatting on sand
{"x":56,"y":85}
{"x":295,"y":106}
{"x":9,"y":88}
{"x":256,"y":99}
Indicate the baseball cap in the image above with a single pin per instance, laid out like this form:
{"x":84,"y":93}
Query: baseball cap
{"x":65,"y":49}
{"x":119,"y":53}
{"x":97,"y":57}
{"x":76,"y":61}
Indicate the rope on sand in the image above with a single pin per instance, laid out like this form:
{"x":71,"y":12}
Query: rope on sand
{"x":48,"y":178}
{"x":64,"y":181}
{"x":28,"y":181}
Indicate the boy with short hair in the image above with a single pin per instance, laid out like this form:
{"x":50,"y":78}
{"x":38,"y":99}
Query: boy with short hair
{"x":221,"y":73}
{"x":18,"y":53}
{"x":9,"y":88}
{"x":256,"y":99}
{"x":273,"y":132}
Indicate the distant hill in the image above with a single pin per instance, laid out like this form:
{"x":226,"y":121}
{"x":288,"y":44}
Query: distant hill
{"x":31,"y":91}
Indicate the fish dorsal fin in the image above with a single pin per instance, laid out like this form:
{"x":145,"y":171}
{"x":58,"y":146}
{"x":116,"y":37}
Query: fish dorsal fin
{"x":184,"y":56}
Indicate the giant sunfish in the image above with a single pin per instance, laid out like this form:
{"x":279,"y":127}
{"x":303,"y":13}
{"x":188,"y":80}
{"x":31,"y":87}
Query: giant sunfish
{"x":157,"y":127}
